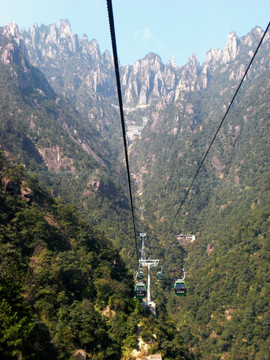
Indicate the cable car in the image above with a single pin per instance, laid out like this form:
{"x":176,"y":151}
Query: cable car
{"x":139,"y":274}
{"x":160,"y":274}
{"x":180,"y":288}
{"x":140,"y":290}
{"x":152,"y":267}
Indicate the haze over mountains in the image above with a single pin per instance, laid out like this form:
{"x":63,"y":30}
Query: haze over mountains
{"x":59,"y":118}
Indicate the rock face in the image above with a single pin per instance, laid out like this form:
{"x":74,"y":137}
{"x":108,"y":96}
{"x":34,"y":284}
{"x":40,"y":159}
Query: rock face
{"x":70,"y":63}
{"x":19,"y":76}
{"x":17,"y":189}
{"x":14,"y":53}
{"x":144,"y":81}
{"x":232,"y":48}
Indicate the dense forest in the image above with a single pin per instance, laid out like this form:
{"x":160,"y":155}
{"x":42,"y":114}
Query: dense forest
{"x":64,"y":287}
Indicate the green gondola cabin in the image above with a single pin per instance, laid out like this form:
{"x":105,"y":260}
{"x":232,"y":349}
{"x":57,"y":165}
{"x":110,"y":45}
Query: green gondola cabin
{"x":180,"y":288}
{"x":160,"y":275}
{"x":140,"y":275}
{"x":140,"y":291}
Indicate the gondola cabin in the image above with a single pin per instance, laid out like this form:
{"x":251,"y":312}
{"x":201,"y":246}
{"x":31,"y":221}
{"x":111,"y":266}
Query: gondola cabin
{"x":140,"y":275}
{"x":160,"y":275}
{"x":140,"y":291}
{"x":180,"y":288}
{"x":152,"y":268}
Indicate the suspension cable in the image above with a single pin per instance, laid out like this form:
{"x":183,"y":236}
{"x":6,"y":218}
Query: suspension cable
{"x":217,"y":131}
{"x":117,"y":75}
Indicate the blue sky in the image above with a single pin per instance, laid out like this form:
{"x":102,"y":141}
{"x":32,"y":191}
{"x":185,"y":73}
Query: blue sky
{"x":166,"y":27}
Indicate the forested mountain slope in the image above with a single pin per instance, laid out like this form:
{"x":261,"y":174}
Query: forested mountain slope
{"x":57,"y":275}
{"x":226,"y":312}
{"x":44,"y":131}
{"x":65,"y":292}
{"x":177,"y":135}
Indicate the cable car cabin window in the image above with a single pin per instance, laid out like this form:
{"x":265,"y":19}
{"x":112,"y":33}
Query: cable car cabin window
{"x":180,"y":286}
{"x":140,"y":288}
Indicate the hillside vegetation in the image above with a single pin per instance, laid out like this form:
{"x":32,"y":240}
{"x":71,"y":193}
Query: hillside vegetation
{"x":226,"y":312}
{"x":64,"y":287}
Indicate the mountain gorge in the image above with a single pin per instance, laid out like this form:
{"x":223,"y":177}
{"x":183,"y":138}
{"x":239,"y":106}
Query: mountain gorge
{"x":59,"y":118}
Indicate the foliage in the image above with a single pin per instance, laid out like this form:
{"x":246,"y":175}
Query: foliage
{"x":63,"y":285}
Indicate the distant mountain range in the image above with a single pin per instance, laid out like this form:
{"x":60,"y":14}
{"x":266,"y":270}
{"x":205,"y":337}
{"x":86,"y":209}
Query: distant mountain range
{"x":73,"y":65}
{"x":67,"y":79}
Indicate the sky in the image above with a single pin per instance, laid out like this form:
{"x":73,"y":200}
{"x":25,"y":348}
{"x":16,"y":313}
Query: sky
{"x":169,"y":28}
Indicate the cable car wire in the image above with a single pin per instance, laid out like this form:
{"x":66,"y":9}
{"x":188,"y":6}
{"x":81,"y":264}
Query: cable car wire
{"x":117,"y":75}
{"x":221,"y":123}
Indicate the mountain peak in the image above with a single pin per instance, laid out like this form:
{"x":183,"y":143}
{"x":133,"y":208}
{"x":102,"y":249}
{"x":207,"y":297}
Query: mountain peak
{"x":12,"y":29}
{"x":64,"y":28}
{"x":152,"y":56}
{"x":231,"y":48}
{"x":193,"y":60}
{"x":153,"y":61}
{"x":257,"y":30}
{"x":212,"y":56}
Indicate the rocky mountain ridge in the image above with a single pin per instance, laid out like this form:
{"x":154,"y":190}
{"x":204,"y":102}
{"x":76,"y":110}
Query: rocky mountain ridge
{"x":30,"y":80}
{"x":76,"y":69}
{"x":73,"y":65}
